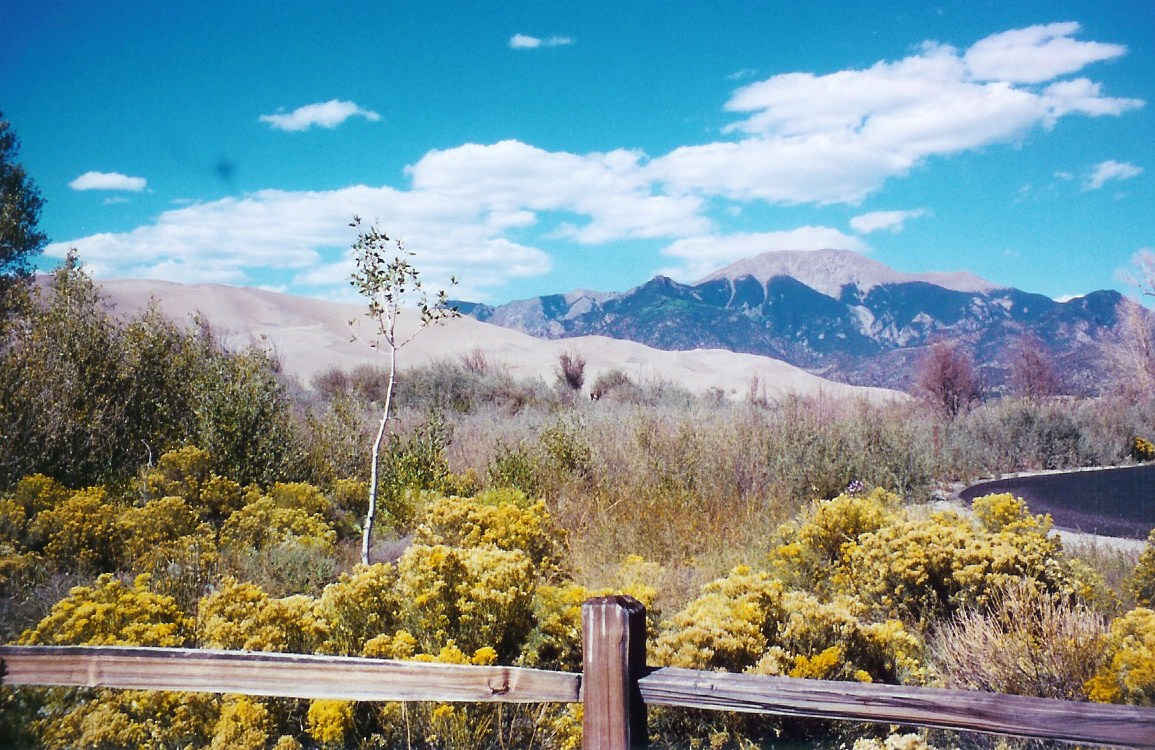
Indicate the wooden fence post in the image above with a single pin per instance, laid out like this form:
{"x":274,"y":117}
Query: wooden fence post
{"x":613,"y":659}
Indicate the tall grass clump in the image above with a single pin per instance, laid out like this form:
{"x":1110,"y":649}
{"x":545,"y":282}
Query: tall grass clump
{"x":1027,"y":642}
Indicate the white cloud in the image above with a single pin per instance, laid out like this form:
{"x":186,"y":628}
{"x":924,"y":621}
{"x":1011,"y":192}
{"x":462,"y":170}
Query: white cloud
{"x":704,"y":254}
{"x":328,"y":114}
{"x":305,"y":236}
{"x":1035,"y":54}
{"x":1106,"y":171}
{"x":466,"y":212}
{"x":522,"y":41}
{"x":108,"y":181}
{"x":837,"y":138}
{"x":891,"y":220}
{"x":505,"y":180}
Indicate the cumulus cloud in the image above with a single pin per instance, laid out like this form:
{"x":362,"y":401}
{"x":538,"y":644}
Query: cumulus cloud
{"x":836,"y":138}
{"x":611,"y":191}
{"x":703,"y":254}
{"x":1106,"y":171}
{"x":1035,"y":54}
{"x":328,"y":114}
{"x":108,"y":181}
{"x":890,"y":220}
{"x":523,"y":41}
{"x":305,"y":237}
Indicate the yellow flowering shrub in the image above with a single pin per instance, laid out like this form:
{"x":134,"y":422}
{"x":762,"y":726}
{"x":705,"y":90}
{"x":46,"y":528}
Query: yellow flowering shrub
{"x":244,"y":724}
{"x":79,"y":533}
{"x":501,"y":518}
{"x":476,"y":597}
{"x":809,"y":547}
{"x":1142,"y":449}
{"x":330,"y":722}
{"x":261,"y":523}
{"x":19,"y":571}
{"x":107,"y":613}
{"x":555,"y":642}
{"x":1129,"y":673}
{"x":240,"y":616}
{"x":361,"y":605}
{"x":401,"y":645}
{"x":220,"y":497}
{"x":1141,"y":583}
{"x":441,"y":725}
{"x":13,"y":519}
{"x":156,"y":523}
{"x":925,"y":569}
{"x":729,"y":627}
{"x":301,"y":495}
{"x":830,"y":641}
{"x":556,"y":639}
{"x":37,"y":492}
{"x":187,"y":473}
{"x":126,"y":718}
{"x":1005,"y":512}
{"x":112,"y":613}
{"x":351,"y":495}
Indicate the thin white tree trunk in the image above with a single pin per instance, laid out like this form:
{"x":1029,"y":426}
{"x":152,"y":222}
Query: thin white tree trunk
{"x":370,"y":516}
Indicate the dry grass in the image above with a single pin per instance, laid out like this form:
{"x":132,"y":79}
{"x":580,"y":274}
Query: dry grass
{"x":1028,"y":642}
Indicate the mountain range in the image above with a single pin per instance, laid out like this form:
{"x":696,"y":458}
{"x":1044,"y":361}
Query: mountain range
{"x":840,"y":315}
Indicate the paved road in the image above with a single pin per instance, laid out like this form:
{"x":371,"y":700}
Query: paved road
{"x":1110,"y":502}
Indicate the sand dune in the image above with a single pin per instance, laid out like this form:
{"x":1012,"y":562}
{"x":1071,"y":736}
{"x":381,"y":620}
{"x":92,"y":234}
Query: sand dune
{"x":310,"y":336}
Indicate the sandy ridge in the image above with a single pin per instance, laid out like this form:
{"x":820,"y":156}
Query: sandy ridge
{"x":312,"y":335}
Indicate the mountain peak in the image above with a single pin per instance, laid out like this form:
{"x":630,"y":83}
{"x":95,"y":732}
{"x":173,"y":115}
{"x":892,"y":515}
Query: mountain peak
{"x":827,"y":271}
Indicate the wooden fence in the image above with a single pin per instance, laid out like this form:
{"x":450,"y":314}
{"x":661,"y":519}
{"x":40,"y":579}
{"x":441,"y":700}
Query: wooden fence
{"x":615,"y":687}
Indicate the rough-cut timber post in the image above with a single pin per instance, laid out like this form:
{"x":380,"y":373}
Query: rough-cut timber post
{"x":614,"y":645}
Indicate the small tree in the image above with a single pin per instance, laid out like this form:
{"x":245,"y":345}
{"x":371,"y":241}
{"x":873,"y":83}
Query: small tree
{"x":20,"y":204}
{"x":389,"y":282}
{"x":1142,"y":274}
{"x":1133,"y":356}
{"x":571,"y":370}
{"x":947,"y":378}
{"x":1032,"y":369}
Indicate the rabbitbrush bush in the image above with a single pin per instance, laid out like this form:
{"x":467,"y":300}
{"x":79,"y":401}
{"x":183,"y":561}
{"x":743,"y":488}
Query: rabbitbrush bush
{"x":1128,"y":675}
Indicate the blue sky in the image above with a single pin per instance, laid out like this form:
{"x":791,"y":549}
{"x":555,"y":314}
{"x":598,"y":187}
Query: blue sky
{"x":537,"y":147}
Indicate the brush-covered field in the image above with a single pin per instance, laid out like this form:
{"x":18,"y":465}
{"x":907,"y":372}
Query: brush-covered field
{"x":158,"y":490}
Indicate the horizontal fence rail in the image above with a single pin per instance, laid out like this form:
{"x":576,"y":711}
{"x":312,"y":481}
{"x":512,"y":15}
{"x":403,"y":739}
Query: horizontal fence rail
{"x":615,"y":687}
{"x":964,"y":710}
{"x":284,"y":675}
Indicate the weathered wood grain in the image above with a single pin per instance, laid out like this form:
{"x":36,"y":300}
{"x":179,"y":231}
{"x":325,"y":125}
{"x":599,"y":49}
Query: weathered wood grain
{"x":613,"y":658}
{"x":1119,"y":726}
{"x":287,"y":675}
